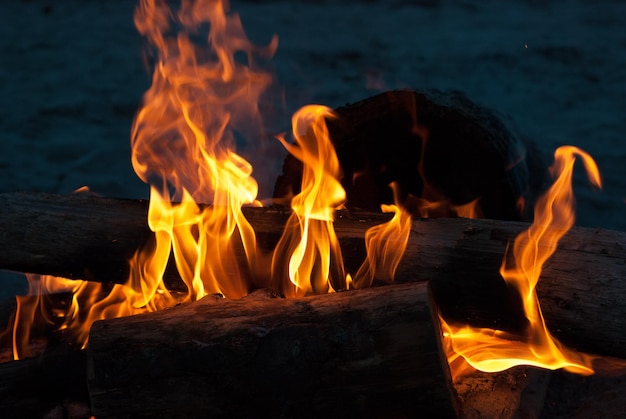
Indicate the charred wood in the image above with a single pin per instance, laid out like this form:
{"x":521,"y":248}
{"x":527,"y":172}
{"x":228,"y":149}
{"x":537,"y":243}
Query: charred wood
{"x":364,"y":353}
{"x":43,"y":386}
{"x":435,"y":145}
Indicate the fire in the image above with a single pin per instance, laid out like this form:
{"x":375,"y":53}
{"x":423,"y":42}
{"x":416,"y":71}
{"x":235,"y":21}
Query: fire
{"x":495,"y":350}
{"x":184,"y":140}
{"x":202,"y":101}
{"x":70,"y":307}
{"x":309,"y":236}
{"x":385,"y":245}
{"x":202,"y":104}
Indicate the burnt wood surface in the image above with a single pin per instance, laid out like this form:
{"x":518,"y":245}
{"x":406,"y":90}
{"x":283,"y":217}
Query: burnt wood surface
{"x":363,"y":353}
{"x":436,"y":145}
{"x":581,"y":290}
{"x":45,"y":386}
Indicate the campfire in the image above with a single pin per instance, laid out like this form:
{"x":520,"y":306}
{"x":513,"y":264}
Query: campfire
{"x":411,"y":244}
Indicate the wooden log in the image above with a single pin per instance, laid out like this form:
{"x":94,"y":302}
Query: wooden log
{"x":35,"y":387}
{"x":55,"y":384}
{"x":581,"y":289}
{"x":434,"y":145}
{"x":365,"y":353}
{"x":73,"y":236}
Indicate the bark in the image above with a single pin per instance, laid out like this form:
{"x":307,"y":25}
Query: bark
{"x":582,"y":289}
{"x":365,"y":353}
{"x":73,"y":236}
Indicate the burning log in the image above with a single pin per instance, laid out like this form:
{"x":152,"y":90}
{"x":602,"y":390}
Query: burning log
{"x":75,"y":236}
{"x":437,"y":147}
{"x":31,"y":386}
{"x":581,"y":289}
{"x":365,"y":353}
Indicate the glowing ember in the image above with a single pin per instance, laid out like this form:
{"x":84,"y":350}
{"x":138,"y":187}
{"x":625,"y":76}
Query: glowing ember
{"x":494,"y":350}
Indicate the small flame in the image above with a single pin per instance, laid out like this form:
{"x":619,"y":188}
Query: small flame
{"x":494,"y":350}
{"x":385,"y":245}
{"x":442,"y":207}
{"x":432,"y":202}
{"x":309,"y":235}
{"x":70,"y":307}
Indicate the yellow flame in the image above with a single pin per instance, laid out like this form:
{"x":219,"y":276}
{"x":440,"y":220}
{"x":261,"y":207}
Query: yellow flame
{"x":183,"y":144}
{"x":309,"y":238}
{"x":493,"y":350}
{"x":385,"y":245}
{"x":184,"y":139}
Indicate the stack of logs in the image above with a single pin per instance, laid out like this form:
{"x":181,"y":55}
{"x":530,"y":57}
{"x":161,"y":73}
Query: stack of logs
{"x":364,"y":353}
{"x":369,"y":352}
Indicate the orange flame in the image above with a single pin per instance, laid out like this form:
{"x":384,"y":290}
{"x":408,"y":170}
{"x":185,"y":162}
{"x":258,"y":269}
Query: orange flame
{"x":69,"y":307}
{"x":309,"y":237}
{"x":385,"y":245}
{"x":494,"y":350}
{"x":201,"y":102}
{"x":184,"y":141}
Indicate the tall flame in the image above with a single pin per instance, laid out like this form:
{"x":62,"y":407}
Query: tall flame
{"x":495,"y":350}
{"x":183,"y":140}
{"x":201,"y":104}
{"x":384,"y":245}
{"x":309,"y":238}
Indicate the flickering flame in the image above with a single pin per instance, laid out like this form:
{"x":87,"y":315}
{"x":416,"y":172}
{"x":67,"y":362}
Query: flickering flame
{"x":494,"y":350}
{"x":184,"y":141}
{"x":385,"y":245}
{"x":442,"y":207}
{"x":202,"y":102}
{"x":309,"y":235}
{"x":70,"y":307}
{"x":432,"y":202}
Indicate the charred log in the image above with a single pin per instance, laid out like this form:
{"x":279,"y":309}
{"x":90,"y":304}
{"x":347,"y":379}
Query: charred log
{"x":438,"y":146}
{"x":45,"y":386}
{"x":55,"y":384}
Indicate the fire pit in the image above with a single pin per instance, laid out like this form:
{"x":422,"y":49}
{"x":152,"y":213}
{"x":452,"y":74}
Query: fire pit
{"x":386,"y":313}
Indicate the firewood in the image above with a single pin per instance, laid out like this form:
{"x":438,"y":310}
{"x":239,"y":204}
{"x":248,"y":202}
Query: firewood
{"x":363,"y":353}
{"x":33,"y":387}
{"x":581,"y":289}
{"x":434,"y":145}
{"x":56,"y":381}
{"x":73,"y":236}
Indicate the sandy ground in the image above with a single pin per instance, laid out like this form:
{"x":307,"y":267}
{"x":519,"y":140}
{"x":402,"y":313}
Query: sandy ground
{"x":72,"y":77}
